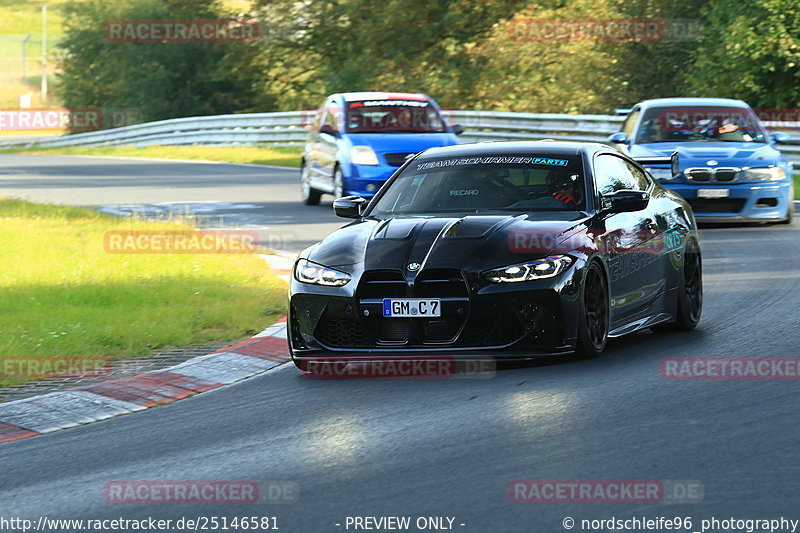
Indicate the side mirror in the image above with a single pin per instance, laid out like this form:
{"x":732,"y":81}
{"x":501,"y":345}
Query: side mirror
{"x":673,"y":161}
{"x":349,"y":206}
{"x":675,"y":164}
{"x":627,"y":201}
{"x":618,"y":138}
{"x":329,"y":130}
{"x":458,"y":129}
{"x":780,"y":137}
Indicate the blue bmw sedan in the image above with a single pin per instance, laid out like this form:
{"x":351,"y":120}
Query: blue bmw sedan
{"x":730,"y":169}
{"x":359,"y":139}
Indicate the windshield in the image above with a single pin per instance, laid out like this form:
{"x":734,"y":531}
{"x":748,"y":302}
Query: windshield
{"x":517,"y":183}
{"x":394,"y":116}
{"x":700,"y":123}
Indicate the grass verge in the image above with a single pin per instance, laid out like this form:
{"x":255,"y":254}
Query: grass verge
{"x":797,"y":186}
{"x":262,"y":155}
{"x":64,"y":298}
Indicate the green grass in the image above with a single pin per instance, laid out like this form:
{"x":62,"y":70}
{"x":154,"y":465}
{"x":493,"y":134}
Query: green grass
{"x":262,"y":155}
{"x":63,"y":297}
{"x":25,"y":16}
{"x":21,"y":18}
{"x":797,"y":186}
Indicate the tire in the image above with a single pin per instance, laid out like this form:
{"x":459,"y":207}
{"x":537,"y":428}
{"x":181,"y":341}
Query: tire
{"x":594,"y":317}
{"x":690,"y":292}
{"x":338,"y":182}
{"x":309,"y":194}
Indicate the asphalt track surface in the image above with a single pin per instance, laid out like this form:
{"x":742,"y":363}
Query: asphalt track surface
{"x":218,"y":195}
{"x":407,"y":447}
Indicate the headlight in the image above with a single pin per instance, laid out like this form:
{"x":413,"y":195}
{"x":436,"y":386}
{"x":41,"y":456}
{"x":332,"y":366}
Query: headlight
{"x":538,"y":269}
{"x":363,"y":155}
{"x":764,"y":174}
{"x":308,"y":272}
{"x":661,"y":173}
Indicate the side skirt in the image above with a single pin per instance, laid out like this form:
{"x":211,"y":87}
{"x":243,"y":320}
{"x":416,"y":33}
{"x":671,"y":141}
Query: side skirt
{"x":642,"y":323}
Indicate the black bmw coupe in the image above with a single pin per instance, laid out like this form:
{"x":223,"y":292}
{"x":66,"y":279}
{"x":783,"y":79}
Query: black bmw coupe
{"x":499,"y":250}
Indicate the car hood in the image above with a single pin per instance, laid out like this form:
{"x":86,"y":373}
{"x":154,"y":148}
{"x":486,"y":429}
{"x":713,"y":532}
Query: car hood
{"x":726,"y":154}
{"x":473,"y":242}
{"x":402,"y":142}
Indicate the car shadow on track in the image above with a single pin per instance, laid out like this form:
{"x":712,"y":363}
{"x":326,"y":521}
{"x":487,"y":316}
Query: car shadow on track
{"x":641,"y":345}
{"x":638,"y":347}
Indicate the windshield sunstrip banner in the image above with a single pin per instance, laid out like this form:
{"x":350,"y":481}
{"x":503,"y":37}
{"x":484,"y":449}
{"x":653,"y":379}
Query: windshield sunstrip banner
{"x":493,"y":160}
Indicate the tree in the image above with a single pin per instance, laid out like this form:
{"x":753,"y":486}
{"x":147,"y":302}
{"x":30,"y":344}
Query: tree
{"x":657,"y":68}
{"x":750,"y":50}
{"x":157,"y":80}
{"x":414,"y":45}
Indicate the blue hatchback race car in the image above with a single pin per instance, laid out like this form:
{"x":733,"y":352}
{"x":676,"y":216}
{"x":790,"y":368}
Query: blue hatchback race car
{"x":730,"y":169}
{"x":359,"y":139}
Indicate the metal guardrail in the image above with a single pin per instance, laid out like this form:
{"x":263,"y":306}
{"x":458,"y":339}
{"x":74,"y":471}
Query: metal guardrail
{"x":241,"y":129}
{"x":287,"y":128}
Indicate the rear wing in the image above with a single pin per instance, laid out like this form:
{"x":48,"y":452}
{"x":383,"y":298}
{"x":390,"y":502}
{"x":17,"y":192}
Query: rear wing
{"x":673,"y":161}
{"x":622,"y":111}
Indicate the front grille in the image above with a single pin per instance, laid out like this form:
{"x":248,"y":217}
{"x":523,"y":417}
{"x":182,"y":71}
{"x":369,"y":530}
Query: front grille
{"x":716,"y":205}
{"x":383,"y":284}
{"x":397,"y":159}
{"x":345,"y":333}
{"x":445,"y":284}
{"x":699,"y":174}
{"x":440,"y":283}
{"x":393,"y":329}
{"x":706,"y":174}
{"x":725,"y":174}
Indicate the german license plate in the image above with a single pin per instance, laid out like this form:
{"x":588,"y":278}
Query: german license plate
{"x":411,"y":308}
{"x":713,"y":193}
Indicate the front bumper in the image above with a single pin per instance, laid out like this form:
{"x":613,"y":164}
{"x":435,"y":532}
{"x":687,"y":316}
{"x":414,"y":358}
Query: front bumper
{"x":479,"y":320}
{"x":365,"y":180}
{"x":756,"y":202}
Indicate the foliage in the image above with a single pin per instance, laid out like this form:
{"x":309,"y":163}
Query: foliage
{"x":750,"y":50}
{"x":460,"y":52}
{"x":156,"y":80}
